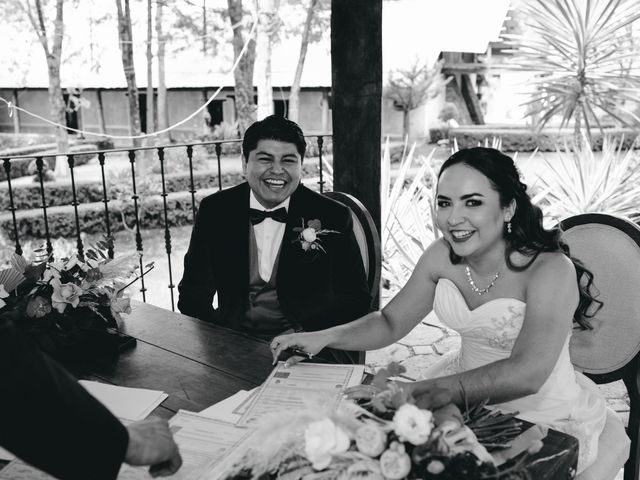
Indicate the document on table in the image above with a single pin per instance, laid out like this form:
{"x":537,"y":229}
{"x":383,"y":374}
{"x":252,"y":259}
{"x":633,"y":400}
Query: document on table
{"x":231,"y":409}
{"x":289,"y":388}
{"x":128,"y":404}
{"x":203,"y":442}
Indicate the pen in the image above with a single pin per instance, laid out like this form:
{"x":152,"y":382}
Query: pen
{"x":302,"y":353}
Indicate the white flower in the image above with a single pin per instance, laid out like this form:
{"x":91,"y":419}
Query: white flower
{"x":323,"y":439}
{"x":3,"y":294}
{"x":64,"y":294}
{"x":394,"y":462}
{"x":370,"y":440}
{"x":52,"y":272}
{"x":309,"y":234}
{"x":435,"y":467}
{"x":120,"y":305}
{"x":413,"y":424}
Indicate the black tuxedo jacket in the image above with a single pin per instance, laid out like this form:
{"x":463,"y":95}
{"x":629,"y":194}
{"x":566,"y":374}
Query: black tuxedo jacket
{"x":316,"y":290}
{"x":49,"y":420}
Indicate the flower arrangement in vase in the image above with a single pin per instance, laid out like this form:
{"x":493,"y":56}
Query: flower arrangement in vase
{"x":71,"y":306}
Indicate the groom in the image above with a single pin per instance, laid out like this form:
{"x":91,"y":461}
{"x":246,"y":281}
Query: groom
{"x":248,"y":246}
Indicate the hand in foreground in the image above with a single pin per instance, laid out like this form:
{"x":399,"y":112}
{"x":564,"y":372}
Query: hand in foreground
{"x":151,"y":443}
{"x":308,"y":342}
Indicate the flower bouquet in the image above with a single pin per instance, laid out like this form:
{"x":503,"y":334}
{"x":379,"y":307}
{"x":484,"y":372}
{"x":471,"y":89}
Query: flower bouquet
{"x":71,"y":306}
{"x":377,"y":433}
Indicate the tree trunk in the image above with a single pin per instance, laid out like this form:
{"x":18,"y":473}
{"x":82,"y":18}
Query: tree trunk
{"x":406,"y":124}
{"x":294,"y":95}
{"x":163,"y":110}
{"x":577,"y":126}
{"x":53,"y":57}
{"x":267,"y":12}
{"x":149,"y":113}
{"x":56,"y":100}
{"x":58,"y":114}
{"x":126,"y":48}
{"x":243,"y":74}
{"x":204,"y":28}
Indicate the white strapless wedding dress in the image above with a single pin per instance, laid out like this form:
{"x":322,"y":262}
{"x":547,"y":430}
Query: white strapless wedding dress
{"x":568,"y":401}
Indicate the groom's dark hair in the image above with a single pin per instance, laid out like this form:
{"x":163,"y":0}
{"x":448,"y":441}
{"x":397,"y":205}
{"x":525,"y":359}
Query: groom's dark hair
{"x":273,"y":127}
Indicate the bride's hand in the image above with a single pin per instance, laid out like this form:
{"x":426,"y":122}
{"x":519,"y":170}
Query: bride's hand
{"x":310,"y":343}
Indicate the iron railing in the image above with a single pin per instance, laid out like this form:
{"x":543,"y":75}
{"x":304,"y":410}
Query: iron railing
{"x":133,"y":155}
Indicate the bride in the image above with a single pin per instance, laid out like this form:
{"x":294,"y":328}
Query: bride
{"x":511,"y":290}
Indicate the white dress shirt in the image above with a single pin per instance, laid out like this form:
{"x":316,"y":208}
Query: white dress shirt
{"x":269,"y":234}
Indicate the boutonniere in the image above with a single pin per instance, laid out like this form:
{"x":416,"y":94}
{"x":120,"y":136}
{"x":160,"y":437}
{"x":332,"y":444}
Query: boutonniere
{"x":309,"y":236}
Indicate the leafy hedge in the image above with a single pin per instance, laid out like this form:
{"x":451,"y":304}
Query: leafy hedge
{"x":61,"y":220}
{"x":21,"y":167}
{"x":61,"y":216}
{"x":524,"y":139}
{"x":28,"y":196}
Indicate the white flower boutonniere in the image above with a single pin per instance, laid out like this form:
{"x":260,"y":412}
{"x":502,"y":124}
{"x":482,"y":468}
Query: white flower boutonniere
{"x":309,"y":236}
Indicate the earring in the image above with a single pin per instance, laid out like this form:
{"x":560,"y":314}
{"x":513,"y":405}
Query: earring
{"x":509,"y":226}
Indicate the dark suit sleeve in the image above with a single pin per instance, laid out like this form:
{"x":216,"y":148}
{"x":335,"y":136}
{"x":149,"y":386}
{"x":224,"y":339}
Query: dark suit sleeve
{"x":198,"y":285}
{"x":48,"y":420}
{"x":351,"y":297}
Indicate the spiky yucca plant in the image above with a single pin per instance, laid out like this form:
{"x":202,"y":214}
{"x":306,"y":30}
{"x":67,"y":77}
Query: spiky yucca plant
{"x":582,"y":54}
{"x":585,"y":181}
{"x":408,"y":216}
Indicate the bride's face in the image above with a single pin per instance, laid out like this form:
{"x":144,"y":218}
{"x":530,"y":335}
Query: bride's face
{"x":469,"y":213}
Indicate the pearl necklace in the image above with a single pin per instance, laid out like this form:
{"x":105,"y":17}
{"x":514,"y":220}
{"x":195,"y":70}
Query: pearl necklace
{"x":474,"y":287}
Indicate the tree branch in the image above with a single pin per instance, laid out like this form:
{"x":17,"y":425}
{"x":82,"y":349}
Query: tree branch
{"x":39,"y":29}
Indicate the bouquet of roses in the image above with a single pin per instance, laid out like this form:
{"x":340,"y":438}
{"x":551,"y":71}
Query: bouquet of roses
{"x":71,"y":304}
{"x":377,"y":433}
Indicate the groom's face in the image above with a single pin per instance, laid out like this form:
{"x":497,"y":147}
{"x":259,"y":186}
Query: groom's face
{"x":273,"y":171}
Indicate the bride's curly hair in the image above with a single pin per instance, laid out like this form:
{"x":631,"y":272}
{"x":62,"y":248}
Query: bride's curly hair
{"x":528,"y":235}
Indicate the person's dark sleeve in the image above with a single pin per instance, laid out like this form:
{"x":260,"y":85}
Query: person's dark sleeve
{"x":49,"y":420}
{"x":351,"y":296}
{"x":198,"y":285}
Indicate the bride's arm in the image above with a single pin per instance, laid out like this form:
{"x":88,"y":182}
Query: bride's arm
{"x":382,"y":328}
{"x":551,"y":297}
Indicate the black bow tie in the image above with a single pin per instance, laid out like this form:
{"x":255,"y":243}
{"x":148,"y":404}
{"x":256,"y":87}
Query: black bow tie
{"x":257,"y":216}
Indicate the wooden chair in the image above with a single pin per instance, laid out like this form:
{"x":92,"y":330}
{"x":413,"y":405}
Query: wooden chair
{"x":368,"y":240}
{"x":610,"y":247}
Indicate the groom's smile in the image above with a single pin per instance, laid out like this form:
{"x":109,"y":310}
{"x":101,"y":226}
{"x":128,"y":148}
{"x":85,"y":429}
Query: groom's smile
{"x":273,"y":170}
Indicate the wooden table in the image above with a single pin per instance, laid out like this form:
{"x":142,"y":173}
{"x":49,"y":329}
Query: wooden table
{"x":195,"y":362}
{"x":199,"y":364}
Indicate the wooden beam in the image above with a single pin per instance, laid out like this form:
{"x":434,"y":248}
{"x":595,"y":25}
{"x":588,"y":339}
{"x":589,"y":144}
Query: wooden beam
{"x":451,"y":68}
{"x":471,"y":99}
{"x":356,"y":66}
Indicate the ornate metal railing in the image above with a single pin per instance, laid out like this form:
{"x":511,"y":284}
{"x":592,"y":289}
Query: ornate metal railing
{"x":12,"y":223}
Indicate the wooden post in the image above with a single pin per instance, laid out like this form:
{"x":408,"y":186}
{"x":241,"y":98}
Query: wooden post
{"x":356,"y":65}
{"x":101,"y":122}
{"x":16,"y":113}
